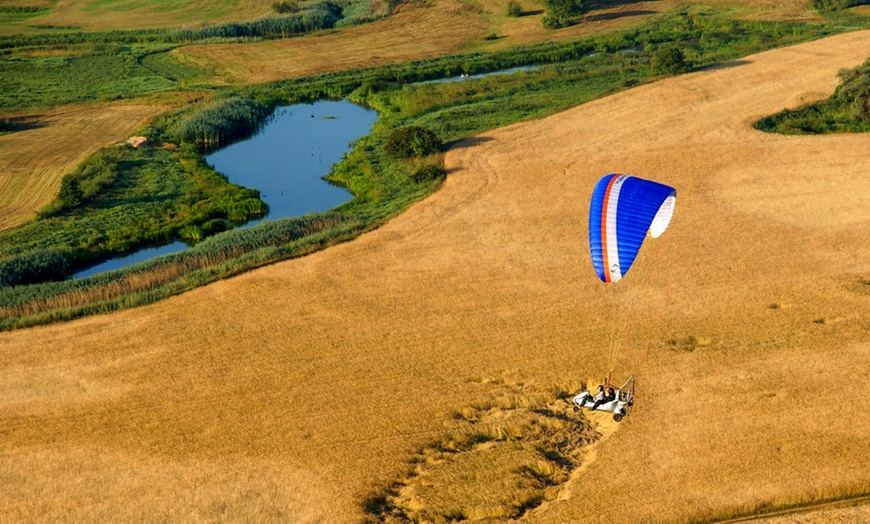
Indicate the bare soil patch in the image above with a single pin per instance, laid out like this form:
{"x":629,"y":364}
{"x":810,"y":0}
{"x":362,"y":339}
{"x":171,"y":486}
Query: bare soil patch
{"x":307,"y":384}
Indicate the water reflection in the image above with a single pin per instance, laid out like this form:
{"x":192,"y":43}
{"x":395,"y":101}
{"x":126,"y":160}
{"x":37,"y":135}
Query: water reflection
{"x":287,"y":159}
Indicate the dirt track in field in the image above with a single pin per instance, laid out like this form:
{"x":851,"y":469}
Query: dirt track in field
{"x":52,"y":144}
{"x":295,"y":391}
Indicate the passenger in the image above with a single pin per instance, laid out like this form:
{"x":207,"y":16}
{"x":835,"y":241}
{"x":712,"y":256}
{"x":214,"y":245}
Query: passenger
{"x":597,"y":398}
{"x":603,"y":398}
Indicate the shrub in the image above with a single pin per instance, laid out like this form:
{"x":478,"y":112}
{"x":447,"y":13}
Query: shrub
{"x":412,"y":141}
{"x":427,"y":173}
{"x":558,"y":13}
{"x":551,"y":22}
{"x":670,"y":60}
{"x":514,"y":8}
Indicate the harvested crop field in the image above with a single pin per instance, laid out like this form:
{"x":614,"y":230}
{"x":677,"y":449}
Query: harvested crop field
{"x":352,"y":380}
{"x":49,"y":144}
{"x":100,"y":15}
{"x":417,"y":30}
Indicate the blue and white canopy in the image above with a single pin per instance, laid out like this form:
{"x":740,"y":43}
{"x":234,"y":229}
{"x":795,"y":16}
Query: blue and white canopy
{"x":624,"y":209}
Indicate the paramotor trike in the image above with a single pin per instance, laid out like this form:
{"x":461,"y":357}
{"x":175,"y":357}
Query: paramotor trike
{"x":620,"y":404}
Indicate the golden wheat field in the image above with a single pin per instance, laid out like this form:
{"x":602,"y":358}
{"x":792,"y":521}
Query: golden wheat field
{"x":396,"y":366}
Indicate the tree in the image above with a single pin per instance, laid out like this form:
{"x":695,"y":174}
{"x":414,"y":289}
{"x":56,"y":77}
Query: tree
{"x":558,"y":13}
{"x":71,"y":194}
{"x":669,"y":60}
{"x":514,"y":8}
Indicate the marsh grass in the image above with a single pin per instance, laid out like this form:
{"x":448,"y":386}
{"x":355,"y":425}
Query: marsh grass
{"x":499,"y":461}
{"x":148,"y":281}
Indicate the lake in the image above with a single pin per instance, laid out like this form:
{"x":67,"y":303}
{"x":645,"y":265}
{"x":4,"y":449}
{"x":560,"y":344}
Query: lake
{"x":287,"y":159}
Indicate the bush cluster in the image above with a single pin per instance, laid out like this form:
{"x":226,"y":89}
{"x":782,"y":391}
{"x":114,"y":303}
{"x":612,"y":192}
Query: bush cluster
{"x":428,"y":172}
{"x":89,"y":179}
{"x":847,"y":110}
{"x":854,"y":91}
{"x":560,"y":13}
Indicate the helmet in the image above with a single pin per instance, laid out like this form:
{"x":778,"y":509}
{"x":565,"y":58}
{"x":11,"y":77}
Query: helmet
{"x":600,"y":387}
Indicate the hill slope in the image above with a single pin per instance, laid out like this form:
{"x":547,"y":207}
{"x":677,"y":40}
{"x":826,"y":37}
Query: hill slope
{"x":297,"y":390}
